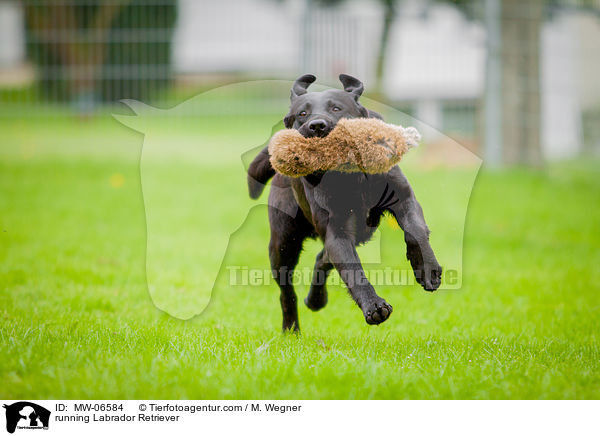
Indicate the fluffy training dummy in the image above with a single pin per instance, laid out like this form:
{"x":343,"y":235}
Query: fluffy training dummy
{"x":366,"y":145}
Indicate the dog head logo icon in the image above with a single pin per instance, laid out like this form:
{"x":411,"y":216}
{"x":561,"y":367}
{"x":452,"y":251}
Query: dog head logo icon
{"x":26,"y":415}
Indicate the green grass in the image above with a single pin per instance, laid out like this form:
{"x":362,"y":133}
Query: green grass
{"x":77,"y":321}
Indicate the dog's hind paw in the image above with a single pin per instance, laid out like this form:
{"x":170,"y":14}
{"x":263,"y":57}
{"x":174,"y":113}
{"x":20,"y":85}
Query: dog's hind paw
{"x":316,"y":302}
{"x":377,"y":312}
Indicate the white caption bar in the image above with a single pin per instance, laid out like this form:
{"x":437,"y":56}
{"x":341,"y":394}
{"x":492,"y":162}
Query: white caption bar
{"x":299,"y":417}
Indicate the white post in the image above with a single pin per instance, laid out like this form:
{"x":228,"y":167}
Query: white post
{"x":305,"y":37}
{"x":493,"y":85}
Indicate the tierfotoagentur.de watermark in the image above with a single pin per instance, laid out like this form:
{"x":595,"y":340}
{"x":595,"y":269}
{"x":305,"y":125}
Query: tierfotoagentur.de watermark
{"x":388,"y":276}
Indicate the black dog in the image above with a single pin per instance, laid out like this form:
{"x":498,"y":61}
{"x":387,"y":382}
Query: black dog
{"x":342,"y":209}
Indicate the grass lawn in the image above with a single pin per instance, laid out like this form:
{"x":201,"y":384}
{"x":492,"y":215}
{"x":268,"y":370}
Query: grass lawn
{"x":77,"y":320}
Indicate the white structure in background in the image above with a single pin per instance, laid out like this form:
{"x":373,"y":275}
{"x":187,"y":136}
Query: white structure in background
{"x":276,"y":38}
{"x":12,"y":34}
{"x":562,"y":134}
{"x":229,"y":35}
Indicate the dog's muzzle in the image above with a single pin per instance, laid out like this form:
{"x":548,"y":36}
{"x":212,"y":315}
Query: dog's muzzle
{"x":316,"y":127}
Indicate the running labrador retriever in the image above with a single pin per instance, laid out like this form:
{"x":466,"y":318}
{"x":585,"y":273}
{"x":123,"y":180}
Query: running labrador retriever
{"x":341,"y":209}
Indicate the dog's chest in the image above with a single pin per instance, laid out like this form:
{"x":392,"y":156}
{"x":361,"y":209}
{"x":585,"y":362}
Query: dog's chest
{"x":344,"y":198}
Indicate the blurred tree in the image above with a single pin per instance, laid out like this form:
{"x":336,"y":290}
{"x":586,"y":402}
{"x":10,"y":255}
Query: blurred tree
{"x":389,"y":15}
{"x":88,"y":51}
{"x":521,"y":24}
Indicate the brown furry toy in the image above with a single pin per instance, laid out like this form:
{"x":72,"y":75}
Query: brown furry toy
{"x":366,"y":145}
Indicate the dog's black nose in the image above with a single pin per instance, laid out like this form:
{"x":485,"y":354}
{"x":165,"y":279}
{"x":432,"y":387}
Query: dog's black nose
{"x":317,"y":125}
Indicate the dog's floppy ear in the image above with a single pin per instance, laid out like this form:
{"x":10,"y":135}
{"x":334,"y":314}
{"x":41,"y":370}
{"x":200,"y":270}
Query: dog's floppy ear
{"x":288,"y":121}
{"x":301,"y":84}
{"x":356,"y":88}
{"x":352,"y":85}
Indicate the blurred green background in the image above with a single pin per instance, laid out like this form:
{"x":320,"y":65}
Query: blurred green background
{"x":76,"y":317}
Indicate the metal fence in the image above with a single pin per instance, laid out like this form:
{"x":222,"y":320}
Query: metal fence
{"x":88,"y":52}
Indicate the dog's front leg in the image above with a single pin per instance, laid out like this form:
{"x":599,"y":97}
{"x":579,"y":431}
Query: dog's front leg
{"x":342,"y":254}
{"x":409,"y":215}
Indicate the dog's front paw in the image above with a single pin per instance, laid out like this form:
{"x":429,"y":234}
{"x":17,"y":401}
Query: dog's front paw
{"x":377,"y":312}
{"x":429,"y":276}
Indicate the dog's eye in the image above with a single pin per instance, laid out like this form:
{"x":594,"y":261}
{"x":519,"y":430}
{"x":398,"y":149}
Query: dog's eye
{"x":336,"y":109}
{"x":302,"y":114}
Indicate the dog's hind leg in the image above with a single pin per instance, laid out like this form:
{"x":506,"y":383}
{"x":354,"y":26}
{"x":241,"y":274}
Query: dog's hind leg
{"x":288,"y":232}
{"x":284,"y":251}
{"x":317,"y":296}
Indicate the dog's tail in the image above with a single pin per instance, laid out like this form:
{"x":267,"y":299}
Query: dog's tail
{"x":260,"y":172}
